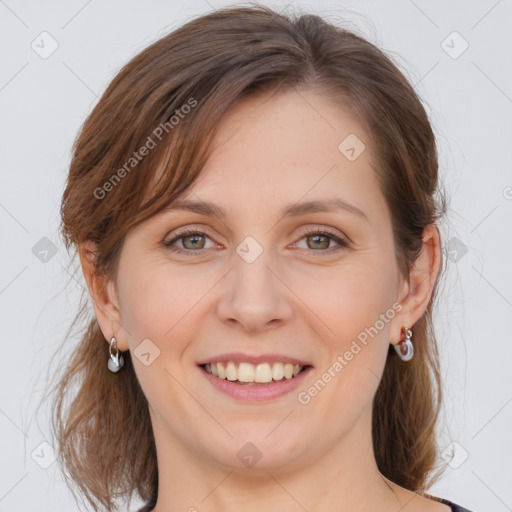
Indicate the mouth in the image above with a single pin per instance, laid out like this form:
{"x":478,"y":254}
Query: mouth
{"x":248,"y":374}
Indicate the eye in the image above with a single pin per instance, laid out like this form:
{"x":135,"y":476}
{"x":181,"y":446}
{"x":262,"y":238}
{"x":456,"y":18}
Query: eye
{"x":191,"y":240}
{"x":319,"y":241}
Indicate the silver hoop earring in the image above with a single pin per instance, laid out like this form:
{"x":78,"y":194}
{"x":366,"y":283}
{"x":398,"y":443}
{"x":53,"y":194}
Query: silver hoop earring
{"x":405,"y":348}
{"x":115,"y":360}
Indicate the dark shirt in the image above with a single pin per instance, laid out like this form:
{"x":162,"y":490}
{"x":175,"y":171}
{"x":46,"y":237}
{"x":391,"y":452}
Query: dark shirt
{"x":455,"y":508}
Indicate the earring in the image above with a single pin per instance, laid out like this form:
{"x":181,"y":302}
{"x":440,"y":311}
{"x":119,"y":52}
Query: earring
{"x":405,"y":348}
{"x":115,"y":361}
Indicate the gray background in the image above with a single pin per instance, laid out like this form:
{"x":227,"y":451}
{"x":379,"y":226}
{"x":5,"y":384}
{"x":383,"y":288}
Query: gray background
{"x":43,"y":102}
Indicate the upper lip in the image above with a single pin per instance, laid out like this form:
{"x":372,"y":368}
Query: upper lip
{"x":238,"y":357}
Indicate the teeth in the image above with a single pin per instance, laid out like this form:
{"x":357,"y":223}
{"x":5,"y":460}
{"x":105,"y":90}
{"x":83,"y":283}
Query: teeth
{"x":231,"y":371}
{"x":278,"y":371}
{"x":246,"y":372}
{"x":263,"y":373}
{"x":260,"y":373}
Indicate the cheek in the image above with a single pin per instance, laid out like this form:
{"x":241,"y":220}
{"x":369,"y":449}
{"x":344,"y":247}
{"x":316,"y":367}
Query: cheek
{"x":145,"y":303}
{"x":347,"y":299}
{"x":353,"y":310}
{"x":162,"y":301}
{"x":149,"y":306}
{"x":159,"y":305}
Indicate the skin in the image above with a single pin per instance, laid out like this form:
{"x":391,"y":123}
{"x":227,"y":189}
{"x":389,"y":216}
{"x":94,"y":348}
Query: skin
{"x":272,"y":151}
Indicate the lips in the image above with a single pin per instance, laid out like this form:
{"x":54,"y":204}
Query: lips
{"x":254,"y":377}
{"x":256,"y":392}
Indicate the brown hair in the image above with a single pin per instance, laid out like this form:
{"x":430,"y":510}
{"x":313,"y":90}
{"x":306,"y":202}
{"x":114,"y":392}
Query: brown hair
{"x":101,"y":420}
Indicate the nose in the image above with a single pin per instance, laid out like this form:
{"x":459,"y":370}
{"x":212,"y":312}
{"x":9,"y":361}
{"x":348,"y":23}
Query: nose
{"x":255,"y":297}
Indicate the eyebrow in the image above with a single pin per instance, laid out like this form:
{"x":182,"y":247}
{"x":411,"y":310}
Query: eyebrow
{"x":326,"y":205}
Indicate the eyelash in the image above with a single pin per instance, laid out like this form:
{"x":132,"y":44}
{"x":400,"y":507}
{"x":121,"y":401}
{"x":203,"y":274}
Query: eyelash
{"x":342,"y":244}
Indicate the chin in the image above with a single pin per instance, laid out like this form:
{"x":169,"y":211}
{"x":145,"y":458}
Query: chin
{"x":258,"y":452}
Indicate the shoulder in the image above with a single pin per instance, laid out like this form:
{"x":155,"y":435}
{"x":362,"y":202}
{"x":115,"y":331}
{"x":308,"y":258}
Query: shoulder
{"x":434,"y":504}
{"x":424,"y":502}
{"x":454,"y":506}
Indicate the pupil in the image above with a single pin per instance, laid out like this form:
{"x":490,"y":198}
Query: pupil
{"x":194,"y":239}
{"x":324,"y":246}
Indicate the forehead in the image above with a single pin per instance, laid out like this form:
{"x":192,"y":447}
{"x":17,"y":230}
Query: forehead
{"x":277,"y":149}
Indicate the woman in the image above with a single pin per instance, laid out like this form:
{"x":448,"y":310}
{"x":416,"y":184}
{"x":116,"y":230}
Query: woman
{"x":254,"y":203}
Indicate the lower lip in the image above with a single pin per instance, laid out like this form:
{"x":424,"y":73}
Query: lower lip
{"x":256,"y":392}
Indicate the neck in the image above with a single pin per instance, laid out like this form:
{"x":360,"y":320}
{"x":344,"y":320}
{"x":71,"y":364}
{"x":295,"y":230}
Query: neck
{"x":344,"y":478}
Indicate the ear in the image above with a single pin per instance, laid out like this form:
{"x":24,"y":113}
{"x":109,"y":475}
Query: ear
{"x":416,"y":292}
{"x":104,"y":297}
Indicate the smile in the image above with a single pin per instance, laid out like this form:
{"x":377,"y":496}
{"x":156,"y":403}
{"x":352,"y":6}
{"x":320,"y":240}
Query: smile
{"x":247,"y":382}
{"x":247,"y":373}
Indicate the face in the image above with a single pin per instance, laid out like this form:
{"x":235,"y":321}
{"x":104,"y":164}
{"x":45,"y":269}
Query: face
{"x":313,"y":287}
